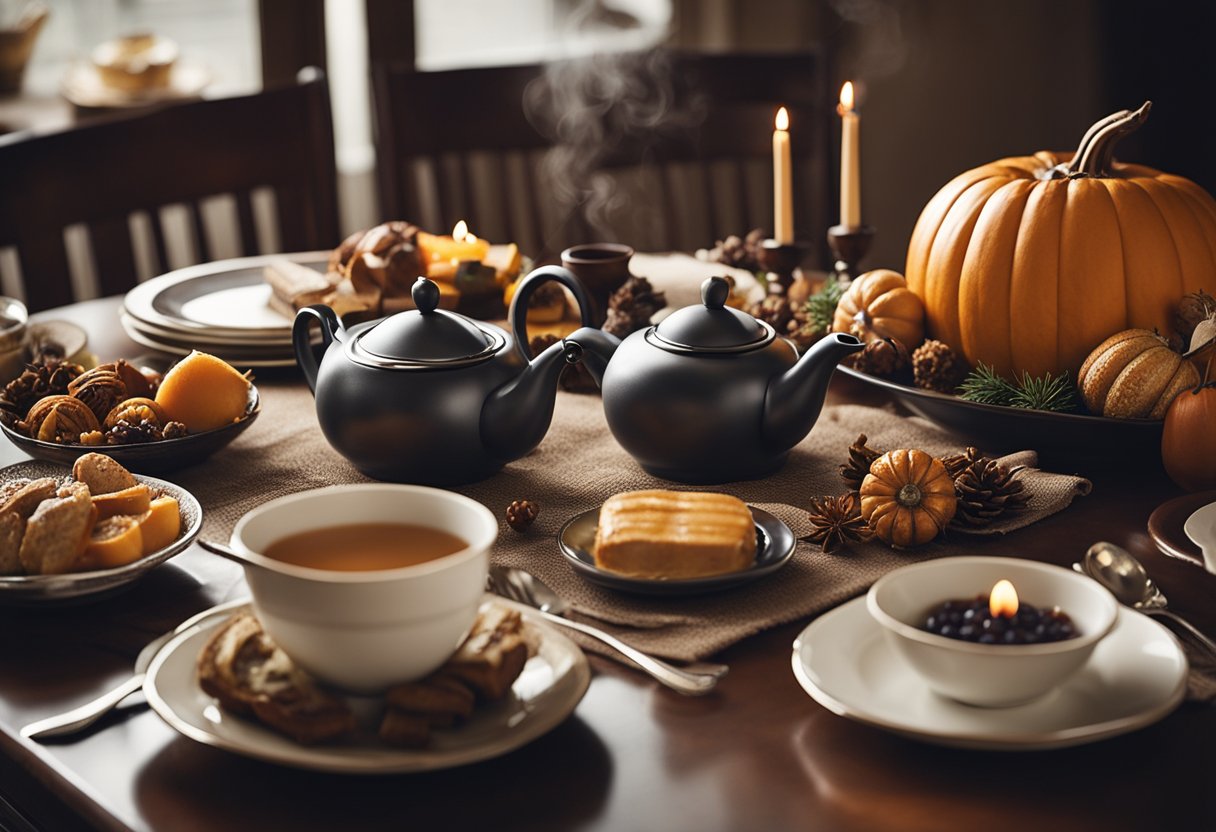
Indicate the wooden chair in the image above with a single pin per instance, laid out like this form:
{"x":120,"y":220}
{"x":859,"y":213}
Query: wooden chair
{"x":660,"y":150}
{"x":119,"y":175}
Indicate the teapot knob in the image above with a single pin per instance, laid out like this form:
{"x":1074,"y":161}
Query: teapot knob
{"x":425,"y":294}
{"x":714,"y":292}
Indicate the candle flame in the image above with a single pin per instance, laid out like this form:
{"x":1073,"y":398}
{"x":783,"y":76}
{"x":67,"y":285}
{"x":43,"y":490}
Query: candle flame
{"x":460,"y":231}
{"x":1004,"y":600}
{"x":846,"y":97}
{"x":782,"y":122}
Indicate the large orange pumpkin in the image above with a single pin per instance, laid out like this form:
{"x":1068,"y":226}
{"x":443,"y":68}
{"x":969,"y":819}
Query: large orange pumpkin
{"x":1028,"y":263}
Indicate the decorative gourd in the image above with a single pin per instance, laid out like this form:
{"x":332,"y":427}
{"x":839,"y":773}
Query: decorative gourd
{"x":878,"y":305}
{"x":1026,"y":263}
{"x":908,"y":497}
{"x":1134,"y":375}
{"x":1188,"y":442}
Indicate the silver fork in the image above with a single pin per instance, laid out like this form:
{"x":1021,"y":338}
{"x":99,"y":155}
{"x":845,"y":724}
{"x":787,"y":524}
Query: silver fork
{"x":525,"y":588}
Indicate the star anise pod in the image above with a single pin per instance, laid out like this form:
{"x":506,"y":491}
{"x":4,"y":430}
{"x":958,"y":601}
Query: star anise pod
{"x":957,"y":463}
{"x":861,"y":457}
{"x":836,"y":522}
{"x":521,"y":514}
{"x":987,"y":490}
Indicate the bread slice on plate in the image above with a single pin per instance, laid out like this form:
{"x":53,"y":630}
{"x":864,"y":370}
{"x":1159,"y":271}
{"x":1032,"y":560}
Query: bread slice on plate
{"x":102,"y":474}
{"x":20,"y":499}
{"x":58,"y":531}
{"x":247,"y":672}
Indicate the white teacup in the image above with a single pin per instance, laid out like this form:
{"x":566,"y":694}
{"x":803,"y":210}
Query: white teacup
{"x":365,"y":631}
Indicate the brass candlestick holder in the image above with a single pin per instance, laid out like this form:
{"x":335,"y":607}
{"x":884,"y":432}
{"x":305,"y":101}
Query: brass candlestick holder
{"x":782,"y":261}
{"x":849,"y":244}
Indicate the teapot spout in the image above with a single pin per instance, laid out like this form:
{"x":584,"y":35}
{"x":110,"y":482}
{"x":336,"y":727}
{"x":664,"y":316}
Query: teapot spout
{"x":794,"y":399}
{"x":516,"y":416}
{"x":596,"y":347}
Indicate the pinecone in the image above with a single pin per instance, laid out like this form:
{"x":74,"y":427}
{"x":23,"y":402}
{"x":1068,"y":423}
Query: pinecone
{"x":631,"y":307}
{"x":37,"y":381}
{"x":836,"y":522}
{"x":937,"y":367}
{"x":775,"y":311}
{"x":126,"y":433}
{"x":740,"y":252}
{"x":957,"y":463}
{"x":574,"y":377}
{"x":861,"y":457}
{"x":521,"y":514}
{"x":987,"y":490}
{"x":883,"y":357}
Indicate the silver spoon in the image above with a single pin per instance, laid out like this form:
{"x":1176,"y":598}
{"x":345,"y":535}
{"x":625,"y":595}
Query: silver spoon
{"x":1116,"y":569}
{"x":78,"y":719}
{"x":228,"y":553}
{"x":525,"y":588}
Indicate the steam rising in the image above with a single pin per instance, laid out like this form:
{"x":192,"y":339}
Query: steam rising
{"x":603,"y":111}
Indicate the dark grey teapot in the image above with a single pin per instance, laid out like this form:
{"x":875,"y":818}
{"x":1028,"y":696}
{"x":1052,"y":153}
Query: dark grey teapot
{"x":429,"y":396}
{"x":711,"y":394}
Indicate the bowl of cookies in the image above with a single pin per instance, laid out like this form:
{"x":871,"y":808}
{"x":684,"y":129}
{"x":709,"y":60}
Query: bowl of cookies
{"x":58,"y":411}
{"x":84,"y":531}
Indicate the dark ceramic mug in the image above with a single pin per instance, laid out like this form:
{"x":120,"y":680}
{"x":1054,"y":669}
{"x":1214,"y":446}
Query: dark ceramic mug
{"x":602,"y":268}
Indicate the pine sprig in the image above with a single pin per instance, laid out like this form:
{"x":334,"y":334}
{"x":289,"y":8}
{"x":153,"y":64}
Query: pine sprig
{"x":984,"y":385}
{"x":821,"y":306}
{"x":1048,"y":392}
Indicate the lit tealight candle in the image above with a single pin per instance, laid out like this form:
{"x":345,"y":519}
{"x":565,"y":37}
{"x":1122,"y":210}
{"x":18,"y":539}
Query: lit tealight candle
{"x":850,"y":159}
{"x":1003,"y":600}
{"x":783,"y":194}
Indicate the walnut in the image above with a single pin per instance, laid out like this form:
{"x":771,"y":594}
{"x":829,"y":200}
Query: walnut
{"x":60,"y":419}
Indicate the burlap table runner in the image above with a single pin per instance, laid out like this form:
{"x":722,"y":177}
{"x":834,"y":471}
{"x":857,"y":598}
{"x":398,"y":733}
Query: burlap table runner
{"x":576,"y":468}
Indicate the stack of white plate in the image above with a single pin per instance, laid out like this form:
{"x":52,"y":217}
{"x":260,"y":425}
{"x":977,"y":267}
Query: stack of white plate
{"x":222,"y":308}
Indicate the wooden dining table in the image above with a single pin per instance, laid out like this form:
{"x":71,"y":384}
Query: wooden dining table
{"x":757,"y":754}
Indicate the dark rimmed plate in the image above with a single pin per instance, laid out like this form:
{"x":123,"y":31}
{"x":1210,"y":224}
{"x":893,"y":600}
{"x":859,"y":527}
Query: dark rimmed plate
{"x":35,"y":590}
{"x":1053,"y":435}
{"x":1166,"y":526}
{"x":774,"y":547}
{"x":150,"y":457}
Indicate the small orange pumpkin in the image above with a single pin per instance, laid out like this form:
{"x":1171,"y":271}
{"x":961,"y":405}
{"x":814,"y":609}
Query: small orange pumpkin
{"x":908,"y":497}
{"x":1188,"y":441}
{"x":1134,"y":375}
{"x":879,"y":305}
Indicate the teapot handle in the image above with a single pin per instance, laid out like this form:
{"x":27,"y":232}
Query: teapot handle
{"x":307,"y":356}
{"x":517,"y":316}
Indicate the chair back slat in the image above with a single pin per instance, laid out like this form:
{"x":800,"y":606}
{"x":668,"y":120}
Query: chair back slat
{"x":45,"y":271}
{"x":113,"y":255}
{"x":167,"y":162}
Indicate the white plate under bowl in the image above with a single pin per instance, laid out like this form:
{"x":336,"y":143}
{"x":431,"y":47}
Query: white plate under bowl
{"x":36,"y":590}
{"x":1136,"y":676}
{"x":551,"y":685}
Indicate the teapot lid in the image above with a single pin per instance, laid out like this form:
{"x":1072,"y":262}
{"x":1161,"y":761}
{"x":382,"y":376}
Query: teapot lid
{"x":712,"y":326}
{"x":425,"y":337}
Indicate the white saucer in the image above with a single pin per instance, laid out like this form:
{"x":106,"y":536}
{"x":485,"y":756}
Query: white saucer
{"x":1135,"y":677}
{"x":551,"y":685}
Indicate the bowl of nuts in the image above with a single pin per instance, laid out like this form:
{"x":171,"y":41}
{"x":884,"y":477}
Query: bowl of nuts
{"x":993,"y":632}
{"x":57,"y":411}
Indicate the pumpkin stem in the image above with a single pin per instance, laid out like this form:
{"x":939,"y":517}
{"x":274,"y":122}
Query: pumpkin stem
{"x":1068,"y":167}
{"x":909,"y":495}
{"x":1095,"y":157}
